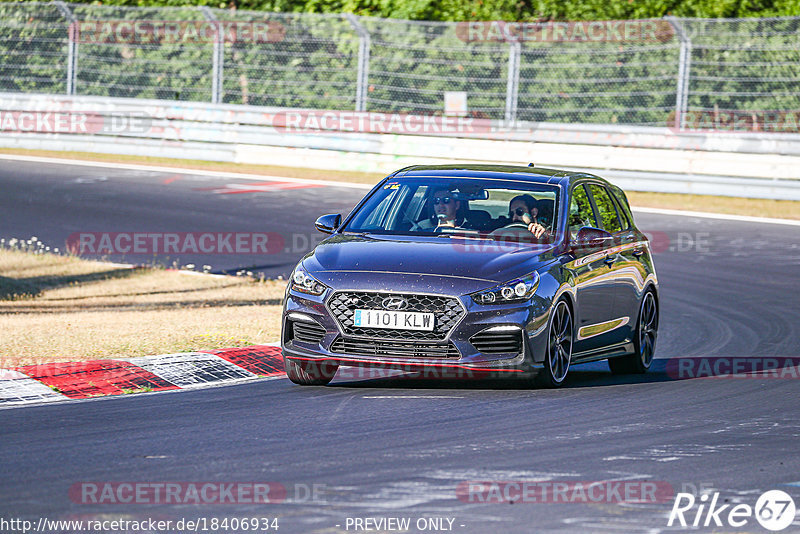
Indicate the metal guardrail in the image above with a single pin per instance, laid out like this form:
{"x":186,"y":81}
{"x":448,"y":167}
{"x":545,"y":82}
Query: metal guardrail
{"x":674,"y":104}
{"x":641,"y":158}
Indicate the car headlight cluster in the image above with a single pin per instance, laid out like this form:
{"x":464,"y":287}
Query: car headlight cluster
{"x":518,"y":290}
{"x":305,"y":283}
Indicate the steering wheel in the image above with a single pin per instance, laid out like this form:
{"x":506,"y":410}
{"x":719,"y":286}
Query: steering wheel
{"x":446,"y":228}
{"x":517,"y":231}
{"x":512,"y":230}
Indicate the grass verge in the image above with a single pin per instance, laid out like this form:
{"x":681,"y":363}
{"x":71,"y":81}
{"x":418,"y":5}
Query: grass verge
{"x":61,"y":308}
{"x":754,"y":207}
{"x":781,"y":209}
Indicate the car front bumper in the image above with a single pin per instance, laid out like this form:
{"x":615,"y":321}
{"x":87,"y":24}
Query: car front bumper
{"x":526,"y":321}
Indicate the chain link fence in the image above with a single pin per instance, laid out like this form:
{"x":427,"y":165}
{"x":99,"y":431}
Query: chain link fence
{"x":665,"y":72}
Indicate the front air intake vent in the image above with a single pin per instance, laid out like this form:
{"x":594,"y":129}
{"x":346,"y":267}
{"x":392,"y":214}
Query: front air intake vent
{"x":394,"y":349}
{"x":493,"y":341}
{"x":306,"y":332}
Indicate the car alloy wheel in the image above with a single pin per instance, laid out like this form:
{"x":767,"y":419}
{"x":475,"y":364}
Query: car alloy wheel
{"x":648,"y":329}
{"x":645,"y":342}
{"x":559,"y":347}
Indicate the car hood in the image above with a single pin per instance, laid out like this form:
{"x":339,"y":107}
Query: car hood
{"x":422,"y":263}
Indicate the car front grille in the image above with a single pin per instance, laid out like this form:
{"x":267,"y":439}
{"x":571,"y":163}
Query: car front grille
{"x":394,"y":349}
{"x":306,"y":332}
{"x":447,"y":312}
{"x":497,"y":342}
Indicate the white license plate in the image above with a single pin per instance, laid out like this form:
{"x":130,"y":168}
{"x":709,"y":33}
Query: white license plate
{"x":398,"y":320}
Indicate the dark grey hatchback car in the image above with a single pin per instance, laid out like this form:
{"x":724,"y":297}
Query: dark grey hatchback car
{"x":472,"y":271}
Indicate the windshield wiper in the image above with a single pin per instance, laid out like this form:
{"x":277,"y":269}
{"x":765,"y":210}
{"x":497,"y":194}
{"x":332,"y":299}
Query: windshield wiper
{"x":359,"y":234}
{"x":450,"y":235}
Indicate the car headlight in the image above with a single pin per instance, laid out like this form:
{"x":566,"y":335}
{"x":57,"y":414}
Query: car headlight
{"x":518,"y":290}
{"x":305,"y":283}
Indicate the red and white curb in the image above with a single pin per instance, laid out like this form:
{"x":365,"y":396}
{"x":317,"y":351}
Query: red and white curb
{"x":50,"y":382}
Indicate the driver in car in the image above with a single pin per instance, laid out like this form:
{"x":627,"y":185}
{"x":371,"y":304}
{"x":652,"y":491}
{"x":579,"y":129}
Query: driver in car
{"x":447,"y":211}
{"x":523,"y":210}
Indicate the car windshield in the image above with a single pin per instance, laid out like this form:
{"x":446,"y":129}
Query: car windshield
{"x":488,"y":208}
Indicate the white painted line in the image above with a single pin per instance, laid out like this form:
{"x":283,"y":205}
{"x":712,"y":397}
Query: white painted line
{"x":180,"y":170}
{"x":116,"y":265}
{"x":410,"y":397}
{"x":720,"y":216}
{"x":190,"y":273}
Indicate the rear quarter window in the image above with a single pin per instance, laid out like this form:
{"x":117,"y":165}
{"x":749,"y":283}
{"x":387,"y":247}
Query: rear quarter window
{"x":607,"y":209}
{"x":625,"y":215}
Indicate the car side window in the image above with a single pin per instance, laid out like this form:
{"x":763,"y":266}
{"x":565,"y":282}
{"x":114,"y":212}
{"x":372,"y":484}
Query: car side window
{"x":606,"y":209}
{"x":624,"y":209}
{"x":580,"y":211}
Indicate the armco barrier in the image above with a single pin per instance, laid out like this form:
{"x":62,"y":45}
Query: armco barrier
{"x":762,"y":165}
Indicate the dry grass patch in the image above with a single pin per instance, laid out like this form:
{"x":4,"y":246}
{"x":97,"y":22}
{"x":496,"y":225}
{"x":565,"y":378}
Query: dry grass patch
{"x":58,"y":308}
{"x":754,"y":207}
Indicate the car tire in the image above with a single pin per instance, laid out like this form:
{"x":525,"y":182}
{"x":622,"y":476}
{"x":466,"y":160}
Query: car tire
{"x":559,"y":347}
{"x":313,"y":374}
{"x":645,"y":341}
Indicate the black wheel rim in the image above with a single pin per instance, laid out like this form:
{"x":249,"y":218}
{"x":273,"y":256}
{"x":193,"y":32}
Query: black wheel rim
{"x":648,"y":329}
{"x":560,"y":342}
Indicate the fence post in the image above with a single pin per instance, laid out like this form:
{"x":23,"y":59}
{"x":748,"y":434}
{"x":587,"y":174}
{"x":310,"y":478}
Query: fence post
{"x":72,"y":46}
{"x":217,"y":58}
{"x":363,"y":61}
{"x":512,"y":83}
{"x":684,"y":66}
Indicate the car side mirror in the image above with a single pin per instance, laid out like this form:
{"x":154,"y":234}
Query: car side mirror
{"x":591,"y":238}
{"x":327,"y":224}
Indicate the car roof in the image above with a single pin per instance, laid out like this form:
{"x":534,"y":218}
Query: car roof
{"x":511,"y":172}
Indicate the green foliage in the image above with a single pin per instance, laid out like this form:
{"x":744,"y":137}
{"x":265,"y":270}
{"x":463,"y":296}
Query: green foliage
{"x":456,"y":10}
{"x":748,"y":64}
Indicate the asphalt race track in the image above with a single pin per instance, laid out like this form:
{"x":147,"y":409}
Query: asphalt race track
{"x":53,"y":202}
{"x":399,"y":448}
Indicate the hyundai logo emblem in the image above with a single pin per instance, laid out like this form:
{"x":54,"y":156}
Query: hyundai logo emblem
{"x":394,"y":303}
